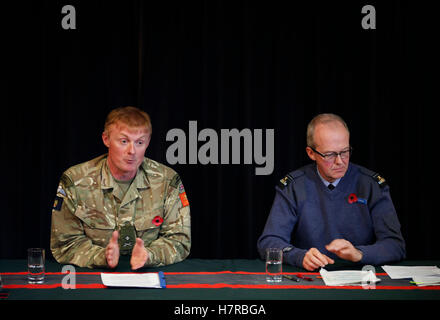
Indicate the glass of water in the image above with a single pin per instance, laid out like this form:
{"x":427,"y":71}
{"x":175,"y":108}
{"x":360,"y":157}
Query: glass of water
{"x":35,"y":265}
{"x":274,"y":265}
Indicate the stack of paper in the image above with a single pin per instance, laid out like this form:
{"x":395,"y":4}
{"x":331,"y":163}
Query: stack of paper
{"x":423,"y":281}
{"x":348,"y":277}
{"x":140,"y":280}
{"x":421,"y":275}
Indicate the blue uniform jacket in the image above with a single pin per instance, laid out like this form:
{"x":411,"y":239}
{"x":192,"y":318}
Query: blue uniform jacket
{"x":306,"y":214}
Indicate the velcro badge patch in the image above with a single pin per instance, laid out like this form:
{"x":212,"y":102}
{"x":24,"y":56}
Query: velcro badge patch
{"x":57,"y":203}
{"x":61,"y":190}
{"x":184,"y":199}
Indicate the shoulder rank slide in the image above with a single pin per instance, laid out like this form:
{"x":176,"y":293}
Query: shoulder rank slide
{"x":380,"y":180}
{"x":285,"y":181}
{"x":175,"y":181}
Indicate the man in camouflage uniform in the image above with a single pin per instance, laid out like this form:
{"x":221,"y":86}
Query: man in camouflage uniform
{"x":121,"y":203}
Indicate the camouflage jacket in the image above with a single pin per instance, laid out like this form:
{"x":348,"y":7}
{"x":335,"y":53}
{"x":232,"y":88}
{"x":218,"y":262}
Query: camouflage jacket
{"x":85,"y":213}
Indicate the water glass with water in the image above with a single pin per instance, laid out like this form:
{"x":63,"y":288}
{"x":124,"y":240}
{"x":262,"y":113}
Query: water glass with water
{"x":274,"y":265}
{"x":36,"y":265}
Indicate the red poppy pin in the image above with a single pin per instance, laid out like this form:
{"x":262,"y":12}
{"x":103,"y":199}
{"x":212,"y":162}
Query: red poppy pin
{"x":157,"y":221}
{"x":352,"y":198}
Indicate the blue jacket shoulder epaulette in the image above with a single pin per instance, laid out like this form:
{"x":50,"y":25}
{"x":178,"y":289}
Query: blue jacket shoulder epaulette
{"x":290,"y":177}
{"x":380,"y":180}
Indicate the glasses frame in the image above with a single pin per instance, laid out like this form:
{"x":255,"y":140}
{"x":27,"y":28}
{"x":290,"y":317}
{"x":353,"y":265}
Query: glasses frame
{"x":335,"y":154}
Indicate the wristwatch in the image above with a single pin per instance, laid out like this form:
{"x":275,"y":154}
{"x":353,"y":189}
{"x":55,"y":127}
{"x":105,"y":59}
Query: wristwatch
{"x":287,"y":249}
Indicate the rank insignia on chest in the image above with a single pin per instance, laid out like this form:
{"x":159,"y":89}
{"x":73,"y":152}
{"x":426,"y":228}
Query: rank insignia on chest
{"x":127,"y":238}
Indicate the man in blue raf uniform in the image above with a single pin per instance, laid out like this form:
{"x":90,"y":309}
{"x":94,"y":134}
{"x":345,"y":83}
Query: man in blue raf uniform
{"x":332,"y":208}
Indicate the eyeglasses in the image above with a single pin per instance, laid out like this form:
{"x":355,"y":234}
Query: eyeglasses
{"x":331,"y":156}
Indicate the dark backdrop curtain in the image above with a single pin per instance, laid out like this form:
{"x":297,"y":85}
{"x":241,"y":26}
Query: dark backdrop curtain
{"x":225,"y":64}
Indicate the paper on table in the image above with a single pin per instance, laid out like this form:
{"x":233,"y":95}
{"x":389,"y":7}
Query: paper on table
{"x":348,"y":277}
{"x":402,"y":272}
{"x":423,"y":281}
{"x":139,"y":280}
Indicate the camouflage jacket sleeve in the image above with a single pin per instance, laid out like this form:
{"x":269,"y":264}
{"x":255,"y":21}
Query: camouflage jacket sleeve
{"x":174,"y":241}
{"x":69,"y":243}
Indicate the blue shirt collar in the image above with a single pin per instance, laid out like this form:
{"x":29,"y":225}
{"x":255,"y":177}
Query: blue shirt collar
{"x":326,"y":183}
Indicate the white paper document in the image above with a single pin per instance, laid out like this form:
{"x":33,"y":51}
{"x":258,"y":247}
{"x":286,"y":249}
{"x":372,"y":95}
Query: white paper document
{"x":139,"y":280}
{"x":404,"y":272}
{"x":348,"y":277}
{"x":423,"y":281}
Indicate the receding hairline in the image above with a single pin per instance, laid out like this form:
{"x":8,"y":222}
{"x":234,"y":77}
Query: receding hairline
{"x":322,"y":119}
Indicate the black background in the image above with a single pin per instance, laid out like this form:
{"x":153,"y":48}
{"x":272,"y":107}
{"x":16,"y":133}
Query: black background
{"x":226,"y":64}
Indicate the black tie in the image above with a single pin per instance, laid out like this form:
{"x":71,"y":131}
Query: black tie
{"x":331,"y":187}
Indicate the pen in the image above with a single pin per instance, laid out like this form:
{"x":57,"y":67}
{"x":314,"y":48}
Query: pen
{"x":304,"y":277}
{"x":293,"y":278}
